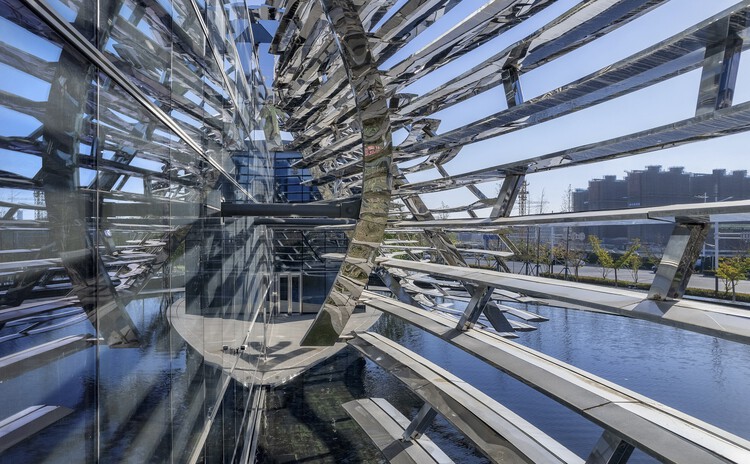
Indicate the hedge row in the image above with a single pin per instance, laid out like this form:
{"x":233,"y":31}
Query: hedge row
{"x":700,"y":292}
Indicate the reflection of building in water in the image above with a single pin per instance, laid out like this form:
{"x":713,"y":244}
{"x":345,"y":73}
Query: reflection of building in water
{"x":206,"y":198}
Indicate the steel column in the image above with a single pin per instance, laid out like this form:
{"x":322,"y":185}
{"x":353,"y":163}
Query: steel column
{"x":289,"y":298}
{"x":372,"y":111}
{"x":507,"y":195}
{"x":480,"y":295}
{"x":299,"y":292}
{"x":419,"y":424}
{"x":395,"y":286}
{"x":512,"y":86}
{"x":610,"y":449}
{"x":676,"y":265}
{"x":721,"y":64}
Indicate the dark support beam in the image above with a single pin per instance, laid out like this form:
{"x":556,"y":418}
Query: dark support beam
{"x":497,"y":318}
{"x":450,"y":254}
{"x":302,"y":223}
{"x":348,"y":208}
{"x":453,"y":257}
{"x":480,"y":295}
{"x":395,"y":286}
{"x":506,"y":198}
{"x":512,"y":86}
{"x":419,"y":424}
{"x":610,"y":449}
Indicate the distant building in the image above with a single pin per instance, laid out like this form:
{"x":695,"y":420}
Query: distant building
{"x":654,"y":186}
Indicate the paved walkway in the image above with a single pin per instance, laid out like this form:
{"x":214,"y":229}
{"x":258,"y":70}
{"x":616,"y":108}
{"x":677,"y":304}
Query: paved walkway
{"x":696,"y":281}
{"x":284,"y":358}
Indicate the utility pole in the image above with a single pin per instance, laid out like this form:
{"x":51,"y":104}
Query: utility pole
{"x":523,"y":199}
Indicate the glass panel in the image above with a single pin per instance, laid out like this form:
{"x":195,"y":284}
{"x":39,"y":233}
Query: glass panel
{"x":119,"y":283}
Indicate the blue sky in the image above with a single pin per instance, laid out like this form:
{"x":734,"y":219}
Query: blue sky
{"x":667,"y":102}
{"x":670,"y":101}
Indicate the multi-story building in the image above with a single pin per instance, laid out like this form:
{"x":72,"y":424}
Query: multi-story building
{"x":655,"y":186}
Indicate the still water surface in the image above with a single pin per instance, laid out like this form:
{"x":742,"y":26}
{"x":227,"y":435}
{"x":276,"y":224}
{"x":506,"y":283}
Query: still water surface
{"x":143,"y":390}
{"x":703,"y":376}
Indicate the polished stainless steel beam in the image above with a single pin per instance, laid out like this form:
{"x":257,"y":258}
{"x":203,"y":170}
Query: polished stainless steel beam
{"x":484,"y":24}
{"x":374,"y":123}
{"x":385,"y":425}
{"x":610,"y":449}
{"x":579,"y":25}
{"x":681,"y":53}
{"x":40,"y":355}
{"x":411,"y":19}
{"x":711,"y":319}
{"x":721,"y":64}
{"x":720,"y":123}
{"x":497,"y":432}
{"x":28,"y":423}
{"x":420,"y":423}
{"x":652,"y":427}
{"x":726,"y":211}
{"x":678,"y":260}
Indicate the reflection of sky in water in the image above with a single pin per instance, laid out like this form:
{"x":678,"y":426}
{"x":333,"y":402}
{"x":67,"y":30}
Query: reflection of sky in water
{"x":700,"y":375}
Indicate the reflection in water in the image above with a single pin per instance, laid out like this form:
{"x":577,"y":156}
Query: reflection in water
{"x":668,"y":365}
{"x":145,"y":404}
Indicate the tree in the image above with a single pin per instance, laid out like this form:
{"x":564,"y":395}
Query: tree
{"x":533,"y":252}
{"x":567,"y":200}
{"x":543,"y":257}
{"x":441,"y":214}
{"x":626,"y":257}
{"x":731,"y":271}
{"x":524,"y":253}
{"x":576,"y":256}
{"x":560,"y":255}
{"x":571,"y":257}
{"x":635,"y":265}
{"x":603,"y":256}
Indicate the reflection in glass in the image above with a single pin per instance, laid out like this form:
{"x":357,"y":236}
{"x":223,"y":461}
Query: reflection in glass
{"x":121,"y":288}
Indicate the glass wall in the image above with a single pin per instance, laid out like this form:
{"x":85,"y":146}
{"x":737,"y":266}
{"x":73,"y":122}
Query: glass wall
{"x":130,"y":312}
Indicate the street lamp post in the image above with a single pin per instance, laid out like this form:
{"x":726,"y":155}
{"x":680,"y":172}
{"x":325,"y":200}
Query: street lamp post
{"x":716,"y":242}
{"x":716,"y":256}
{"x":703,"y":254}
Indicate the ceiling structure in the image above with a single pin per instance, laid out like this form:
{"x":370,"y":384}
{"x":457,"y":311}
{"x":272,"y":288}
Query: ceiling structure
{"x":325,"y":48}
{"x":321,"y":102}
{"x":126,"y":125}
